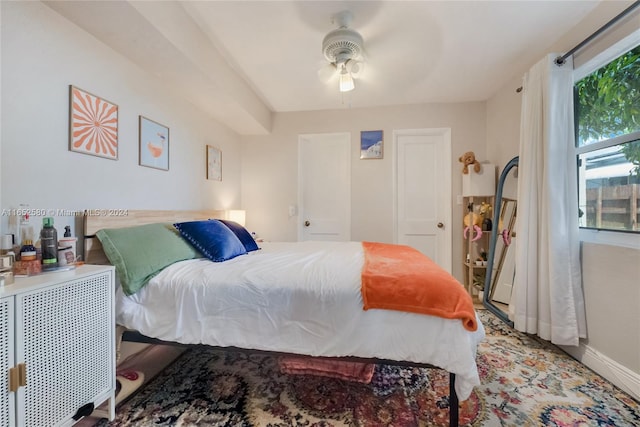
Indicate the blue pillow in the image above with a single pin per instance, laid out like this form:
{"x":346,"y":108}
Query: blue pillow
{"x":241,"y":233}
{"x":212,"y":238}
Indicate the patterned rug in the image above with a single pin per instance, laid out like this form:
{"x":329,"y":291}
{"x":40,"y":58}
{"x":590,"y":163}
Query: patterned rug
{"x":525,"y":382}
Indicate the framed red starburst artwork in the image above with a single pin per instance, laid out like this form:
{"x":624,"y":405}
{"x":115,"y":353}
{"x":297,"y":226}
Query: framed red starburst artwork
{"x":93,"y":124}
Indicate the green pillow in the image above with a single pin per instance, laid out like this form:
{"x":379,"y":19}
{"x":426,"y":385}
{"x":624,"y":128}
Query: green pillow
{"x":139,"y":253}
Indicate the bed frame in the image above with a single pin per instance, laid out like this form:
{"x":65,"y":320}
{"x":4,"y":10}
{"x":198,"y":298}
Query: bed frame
{"x":93,"y":254}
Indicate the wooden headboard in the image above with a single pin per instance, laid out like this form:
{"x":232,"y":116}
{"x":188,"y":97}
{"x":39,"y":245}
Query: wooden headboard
{"x":93,"y":253}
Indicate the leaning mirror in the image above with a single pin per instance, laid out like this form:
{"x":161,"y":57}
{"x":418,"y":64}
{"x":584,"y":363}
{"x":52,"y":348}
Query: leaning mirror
{"x":500,"y":273}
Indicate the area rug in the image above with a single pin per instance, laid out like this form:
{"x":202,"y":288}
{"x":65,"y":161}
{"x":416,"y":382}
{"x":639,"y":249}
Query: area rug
{"x":525,"y":382}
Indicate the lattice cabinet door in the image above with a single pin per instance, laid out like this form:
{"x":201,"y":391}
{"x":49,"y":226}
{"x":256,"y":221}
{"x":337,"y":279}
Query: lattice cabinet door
{"x":66,"y":340}
{"x":7,"y":348}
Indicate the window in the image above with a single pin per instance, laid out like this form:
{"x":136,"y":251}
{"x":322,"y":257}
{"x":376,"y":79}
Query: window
{"x":607,"y":114}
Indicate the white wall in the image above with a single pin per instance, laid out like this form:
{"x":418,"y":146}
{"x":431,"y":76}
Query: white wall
{"x":503,"y":124}
{"x":269,"y":166}
{"x":42,"y":54}
{"x":610,"y":274}
{"x":607,"y":291}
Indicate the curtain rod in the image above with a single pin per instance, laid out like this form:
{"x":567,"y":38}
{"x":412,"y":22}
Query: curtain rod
{"x":560,"y":60}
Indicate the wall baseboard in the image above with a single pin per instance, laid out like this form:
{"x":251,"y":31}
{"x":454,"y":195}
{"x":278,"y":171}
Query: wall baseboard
{"x":619,"y":375}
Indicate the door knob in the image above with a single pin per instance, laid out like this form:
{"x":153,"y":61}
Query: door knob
{"x":440,"y":225}
{"x":307,"y":223}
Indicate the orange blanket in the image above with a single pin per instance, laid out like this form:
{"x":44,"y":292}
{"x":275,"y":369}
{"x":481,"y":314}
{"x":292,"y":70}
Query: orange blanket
{"x":398,"y":277}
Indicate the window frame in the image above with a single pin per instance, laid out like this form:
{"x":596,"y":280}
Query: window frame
{"x":623,"y":238}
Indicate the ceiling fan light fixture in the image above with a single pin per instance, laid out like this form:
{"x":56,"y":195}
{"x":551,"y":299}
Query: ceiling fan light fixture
{"x":354,"y":67}
{"x":343,"y":48}
{"x":346,"y":81}
{"x":326,"y":73}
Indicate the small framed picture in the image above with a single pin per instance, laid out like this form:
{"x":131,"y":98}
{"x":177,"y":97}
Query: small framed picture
{"x":93,"y":124}
{"x":214,"y":163}
{"x":154,"y":144}
{"x":371,"y":144}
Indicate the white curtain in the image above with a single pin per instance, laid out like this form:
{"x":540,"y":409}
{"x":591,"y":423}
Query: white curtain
{"x":548,"y":298}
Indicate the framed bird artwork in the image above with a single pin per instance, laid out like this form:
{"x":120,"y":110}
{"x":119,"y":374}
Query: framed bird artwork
{"x":154,"y":144}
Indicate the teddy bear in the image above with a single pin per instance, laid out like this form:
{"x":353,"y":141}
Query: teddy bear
{"x":485,"y":209}
{"x":469,"y":158}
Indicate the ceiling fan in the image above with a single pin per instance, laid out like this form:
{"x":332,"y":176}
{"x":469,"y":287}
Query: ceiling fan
{"x":343,"y":48}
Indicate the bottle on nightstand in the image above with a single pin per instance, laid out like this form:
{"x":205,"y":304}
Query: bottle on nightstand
{"x":28,"y":251}
{"x":49,"y":244}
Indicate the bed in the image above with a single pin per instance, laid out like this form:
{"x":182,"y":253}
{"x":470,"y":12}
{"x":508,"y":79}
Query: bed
{"x":302,"y":298}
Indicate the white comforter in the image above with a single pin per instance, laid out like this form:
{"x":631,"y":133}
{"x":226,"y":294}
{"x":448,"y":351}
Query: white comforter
{"x":299,"y":298}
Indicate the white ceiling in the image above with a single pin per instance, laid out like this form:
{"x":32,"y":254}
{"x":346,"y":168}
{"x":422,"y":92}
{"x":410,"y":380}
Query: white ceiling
{"x":416,"y":51}
{"x":242,"y":60}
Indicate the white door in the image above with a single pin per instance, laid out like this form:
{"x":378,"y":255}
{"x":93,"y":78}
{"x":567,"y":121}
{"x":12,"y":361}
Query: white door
{"x":423,"y":192}
{"x":324,"y":186}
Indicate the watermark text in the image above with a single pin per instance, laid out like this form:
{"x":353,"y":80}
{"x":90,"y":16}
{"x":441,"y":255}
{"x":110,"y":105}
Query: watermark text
{"x":29,"y":212}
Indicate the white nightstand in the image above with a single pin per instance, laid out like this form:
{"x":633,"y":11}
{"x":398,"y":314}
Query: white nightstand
{"x":57,"y":346}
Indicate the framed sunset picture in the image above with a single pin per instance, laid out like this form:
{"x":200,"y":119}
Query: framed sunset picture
{"x":154,"y":144}
{"x":93,"y":124}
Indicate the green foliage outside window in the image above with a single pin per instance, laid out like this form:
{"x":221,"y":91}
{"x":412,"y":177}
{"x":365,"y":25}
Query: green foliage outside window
{"x":608,"y":104}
